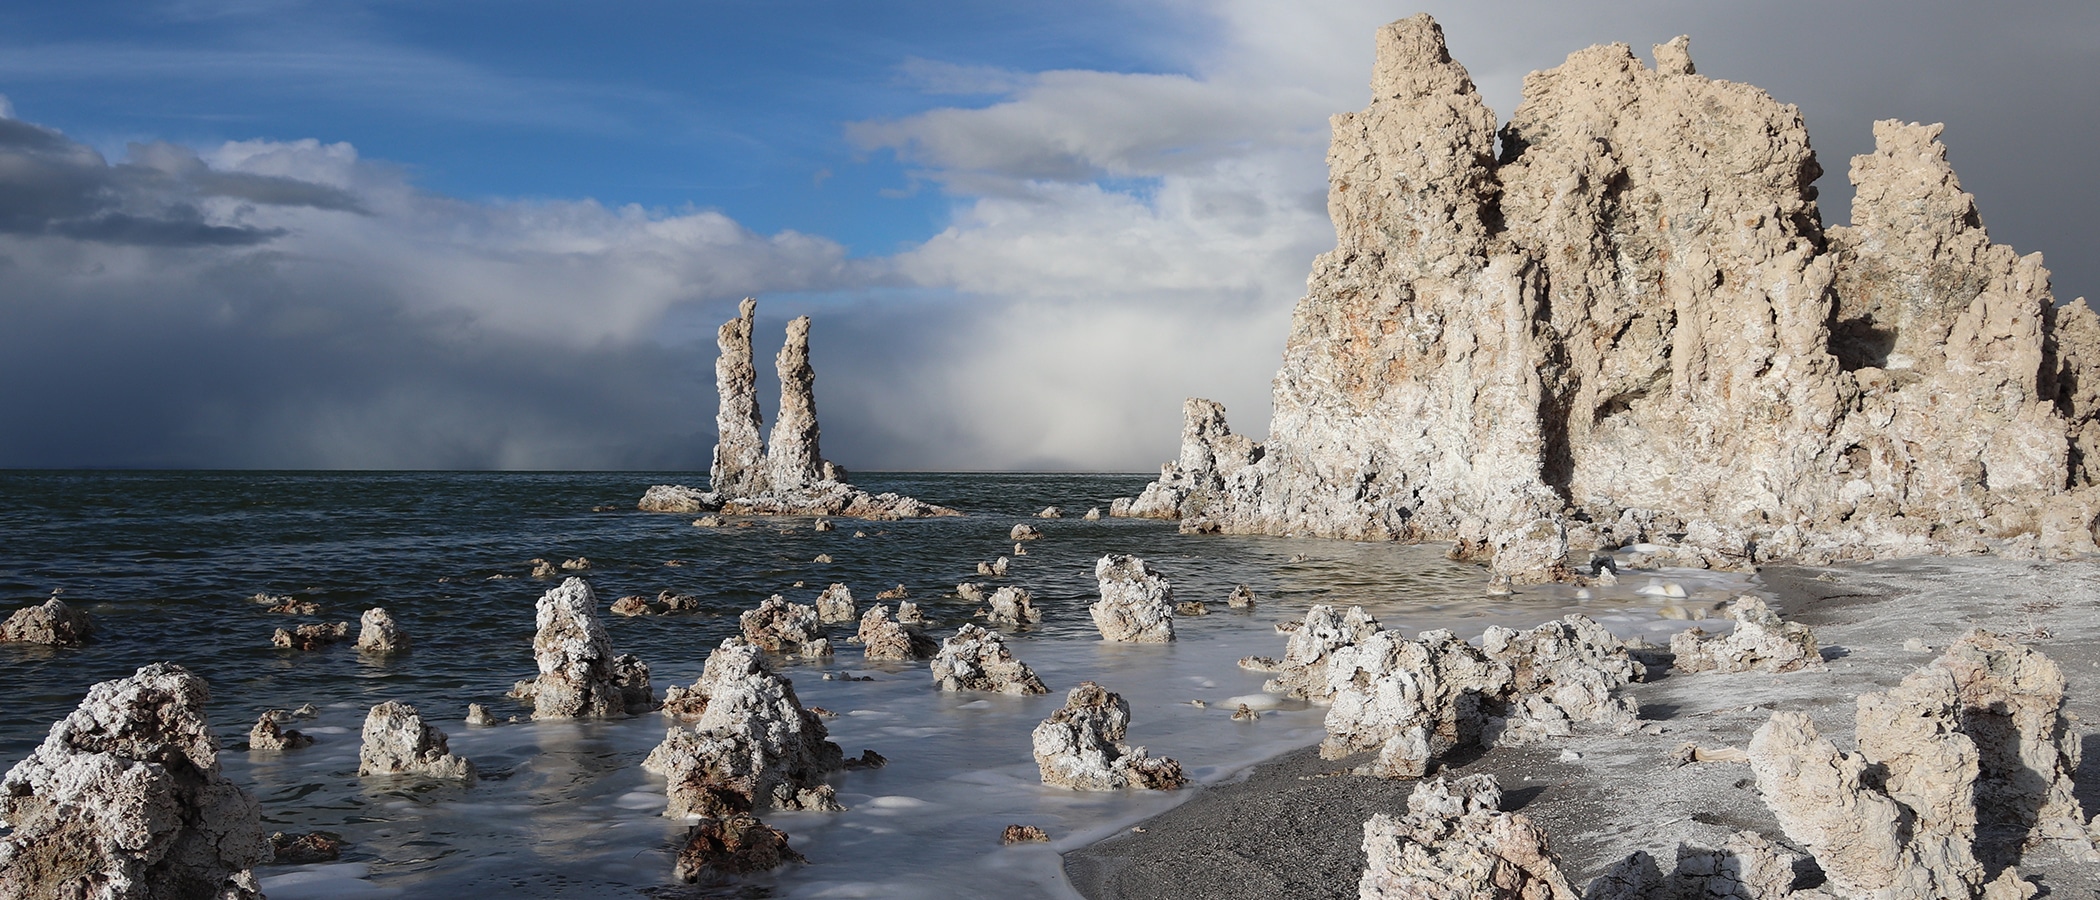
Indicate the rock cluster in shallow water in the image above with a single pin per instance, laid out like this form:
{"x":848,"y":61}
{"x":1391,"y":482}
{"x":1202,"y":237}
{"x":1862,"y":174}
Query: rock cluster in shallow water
{"x":396,"y":741}
{"x":124,"y":800}
{"x":1081,"y":747}
{"x":882,"y":637}
{"x":786,"y":475}
{"x":752,"y":744}
{"x":579,"y":675}
{"x":1620,"y":319}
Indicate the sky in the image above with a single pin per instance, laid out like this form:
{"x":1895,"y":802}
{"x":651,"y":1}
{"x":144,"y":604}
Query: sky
{"x":472,"y":234}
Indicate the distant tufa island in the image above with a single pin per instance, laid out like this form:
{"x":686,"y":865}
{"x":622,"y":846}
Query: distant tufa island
{"x":1629,"y":328}
{"x":787,"y":475}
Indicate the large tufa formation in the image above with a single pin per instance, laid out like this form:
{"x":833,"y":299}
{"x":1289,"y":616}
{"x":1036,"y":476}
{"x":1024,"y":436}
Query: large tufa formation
{"x":124,"y":801}
{"x":579,"y":675}
{"x":1455,"y":841}
{"x":1761,"y":642}
{"x":752,"y":744}
{"x":788,"y":476}
{"x":1959,"y":767}
{"x":977,"y":660}
{"x":398,"y":742}
{"x":1081,"y":747}
{"x":1415,"y":700}
{"x":1633,"y":326}
{"x":52,"y":623}
{"x":1137,"y":603}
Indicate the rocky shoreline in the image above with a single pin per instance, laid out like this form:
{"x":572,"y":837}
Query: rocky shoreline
{"x":1295,"y":826}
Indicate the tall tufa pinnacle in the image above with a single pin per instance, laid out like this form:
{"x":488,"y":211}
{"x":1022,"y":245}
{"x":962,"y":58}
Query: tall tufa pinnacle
{"x":793,"y":460}
{"x":738,"y":469}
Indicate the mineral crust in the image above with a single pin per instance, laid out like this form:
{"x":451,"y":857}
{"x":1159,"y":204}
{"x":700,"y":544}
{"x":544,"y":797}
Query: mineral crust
{"x":752,"y":744}
{"x":1081,"y":747}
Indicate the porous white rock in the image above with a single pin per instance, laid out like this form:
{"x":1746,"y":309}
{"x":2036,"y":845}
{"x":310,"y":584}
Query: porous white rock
{"x":378,"y":633}
{"x":124,"y":800}
{"x":1455,"y":842}
{"x":1630,"y":325}
{"x":1080,"y":747}
{"x":752,"y":744}
{"x":579,"y":675}
{"x":1050,"y":512}
{"x":1760,"y":642}
{"x":1012,"y":605}
{"x":1024,"y":532}
{"x":882,"y":637}
{"x":1958,"y":768}
{"x":269,"y":733}
{"x":971,"y":591}
{"x":978,"y":660}
{"x":780,"y":626}
{"x":835,"y":604}
{"x":1242,"y":597}
{"x":1093,"y":513}
{"x":52,"y":623}
{"x":1137,"y":603}
{"x":398,"y":742}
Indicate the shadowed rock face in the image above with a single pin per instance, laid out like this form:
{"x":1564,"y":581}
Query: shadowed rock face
{"x":124,"y":800}
{"x":1632,"y":326}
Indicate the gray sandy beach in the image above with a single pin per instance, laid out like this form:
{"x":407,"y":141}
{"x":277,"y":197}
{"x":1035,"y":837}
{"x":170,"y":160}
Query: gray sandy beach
{"x":1292,"y":827}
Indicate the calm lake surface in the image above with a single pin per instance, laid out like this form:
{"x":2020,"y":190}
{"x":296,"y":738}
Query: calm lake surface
{"x":166,"y":563}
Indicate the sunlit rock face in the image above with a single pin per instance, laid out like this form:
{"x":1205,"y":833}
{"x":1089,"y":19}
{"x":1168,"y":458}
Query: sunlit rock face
{"x":1627,"y":323}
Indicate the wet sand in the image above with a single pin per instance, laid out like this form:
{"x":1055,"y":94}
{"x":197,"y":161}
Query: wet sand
{"x":1293,"y":826}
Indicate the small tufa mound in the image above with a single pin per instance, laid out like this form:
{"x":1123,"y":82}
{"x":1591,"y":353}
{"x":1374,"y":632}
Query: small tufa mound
{"x":1242,"y":597}
{"x":1761,"y":642}
{"x":1013,"y":606}
{"x":782,"y":627}
{"x":1137,"y":603}
{"x":579,"y":675}
{"x":738,"y":844}
{"x":823,"y":525}
{"x":883,"y":638}
{"x":310,"y":637}
{"x":579,"y":564}
{"x":305,"y":849}
{"x":971,"y":591}
{"x":994,"y":569}
{"x":1456,"y":842}
{"x":753,"y":744}
{"x":1959,"y":767}
{"x":269,"y":733}
{"x":1093,"y":514}
{"x":379,"y":634}
{"x":124,"y":800}
{"x":1024,"y":834}
{"x":544,"y":569}
{"x":836,"y":605}
{"x":1050,"y":512}
{"x":895,"y":593}
{"x":977,"y":660}
{"x":909,"y":613}
{"x":1190,"y":608}
{"x":478,"y":716}
{"x":52,"y":623}
{"x":1746,"y":866}
{"x":1080,"y":747}
{"x":398,"y":742}
{"x":667,"y":601}
{"x":1024,"y":532}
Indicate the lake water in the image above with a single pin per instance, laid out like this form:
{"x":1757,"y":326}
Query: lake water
{"x":166,"y":563}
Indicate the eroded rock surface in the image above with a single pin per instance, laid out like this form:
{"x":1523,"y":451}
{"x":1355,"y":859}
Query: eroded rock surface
{"x":1631,"y":325}
{"x":52,"y":623}
{"x":882,"y":637}
{"x":752,"y":744}
{"x":978,"y":660}
{"x":788,"y":475}
{"x":310,"y":637}
{"x":1761,"y":642}
{"x":124,"y":800}
{"x":783,"y":627}
{"x":269,"y":733}
{"x":1414,"y":700}
{"x":378,"y":633}
{"x":1455,"y":842}
{"x":1137,"y":603}
{"x":1013,"y":606}
{"x":737,"y":844}
{"x":1081,"y":747}
{"x":836,"y":605}
{"x":1957,"y":769}
{"x":579,"y":675}
{"x":398,"y":742}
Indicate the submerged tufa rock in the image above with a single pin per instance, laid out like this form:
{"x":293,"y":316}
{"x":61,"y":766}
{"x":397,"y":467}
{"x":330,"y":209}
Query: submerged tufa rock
{"x":737,"y":844}
{"x":752,"y":743}
{"x":398,"y":742}
{"x":377,"y":633}
{"x":310,"y":637}
{"x":269,"y":733}
{"x":1137,"y":603}
{"x":52,"y":623}
{"x":1080,"y":747}
{"x":579,"y":675}
{"x":1631,"y":325}
{"x":977,"y":660}
{"x":1761,"y":642}
{"x":124,"y":800}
